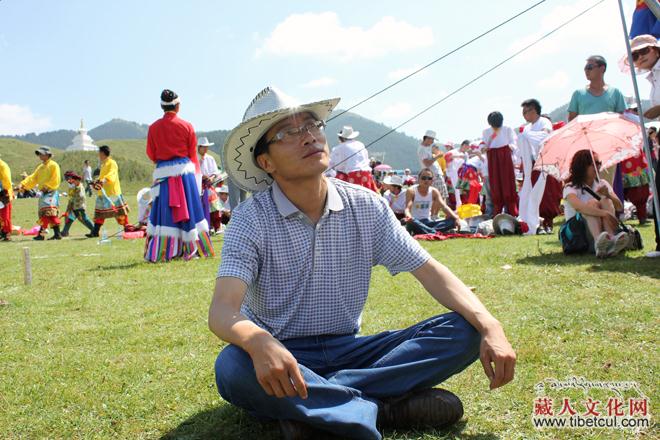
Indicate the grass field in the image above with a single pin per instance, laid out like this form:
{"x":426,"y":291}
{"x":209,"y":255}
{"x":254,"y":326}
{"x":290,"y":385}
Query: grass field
{"x":103,"y":345}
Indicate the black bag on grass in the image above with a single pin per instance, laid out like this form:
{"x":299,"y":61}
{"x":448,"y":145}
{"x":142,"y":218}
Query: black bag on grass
{"x":573,"y":236}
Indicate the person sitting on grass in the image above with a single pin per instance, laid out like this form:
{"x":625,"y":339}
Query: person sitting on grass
{"x":423,"y":202}
{"x":292,"y":284}
{"x":592,"y":201}
{"x":75,"y":209}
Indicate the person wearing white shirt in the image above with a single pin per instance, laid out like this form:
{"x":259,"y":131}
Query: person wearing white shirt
{"x":395,"y":196}
{"x":88,"y":178}
{"x":428,"y":158}
{"x":423,"y":203}
{"x":500,"y":141}
{"x":529,"y":144}
{"x":456,"y":158}
{"x":646,"y":56}
{"x":350,"y":161}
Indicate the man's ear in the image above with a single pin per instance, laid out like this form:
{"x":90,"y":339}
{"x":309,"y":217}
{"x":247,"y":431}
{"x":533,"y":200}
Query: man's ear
{"x":265,"y":163}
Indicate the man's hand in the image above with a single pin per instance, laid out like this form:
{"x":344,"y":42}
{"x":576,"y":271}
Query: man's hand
{"x":497,"y":357}
{"x":276,"y":369}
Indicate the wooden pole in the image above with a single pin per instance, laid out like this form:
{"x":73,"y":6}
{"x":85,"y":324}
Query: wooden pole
{"x":27,"y":266}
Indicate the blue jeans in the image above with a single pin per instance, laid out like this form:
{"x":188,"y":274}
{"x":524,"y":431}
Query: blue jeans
{"x":428,"y":226}
{"x":347,"y":375}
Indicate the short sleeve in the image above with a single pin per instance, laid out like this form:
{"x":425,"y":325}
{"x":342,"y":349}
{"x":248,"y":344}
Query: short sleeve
{"x":573,"y":105}
{"x":568,"y":190}
{"x":240,"y":251}
{"x":394,"y":248}
{"x":619,"y":102}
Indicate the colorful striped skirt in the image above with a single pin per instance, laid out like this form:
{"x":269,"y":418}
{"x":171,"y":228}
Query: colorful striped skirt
{"x":176,"y":227}
{"x":49,"y":204}
{"x":110,"y":206}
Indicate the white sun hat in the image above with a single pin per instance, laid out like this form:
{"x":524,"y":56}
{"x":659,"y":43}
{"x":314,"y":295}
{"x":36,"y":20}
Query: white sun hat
{"x":430,"y":134}
{"x":637,"y":43}
{"x":393,"y":180}
{"x":348,"y":133}
{"x":269,"y":107}
{"x":204,"y":142}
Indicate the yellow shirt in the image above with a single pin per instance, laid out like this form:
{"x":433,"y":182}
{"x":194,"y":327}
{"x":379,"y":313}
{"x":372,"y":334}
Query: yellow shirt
{"x":110,"y":175}
{"x":46,"y":176}
{"x":5,"y":178}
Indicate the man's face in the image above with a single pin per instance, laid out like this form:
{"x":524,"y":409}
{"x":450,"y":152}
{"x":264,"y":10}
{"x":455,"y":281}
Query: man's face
{"x":295,"y":156}
{"x":425,"y":179}
{"x":395,"y":189}
{"x":223,"y":197}
{"x":203,"y":149}
{"x":102,"y":156}
{"x":44,"y":157}
{"x":406,"y":172}
{"x":593,"y":71}
{"x":529,"y":113}
{"x":427,"y":141}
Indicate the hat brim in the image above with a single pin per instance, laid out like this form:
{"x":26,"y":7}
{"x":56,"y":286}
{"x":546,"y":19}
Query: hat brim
{"x":206,"y":145}
{"x":503,"y":218}
{"x":238,"y":149}
{"x":352,"y":136}
{"x":624,"y":65}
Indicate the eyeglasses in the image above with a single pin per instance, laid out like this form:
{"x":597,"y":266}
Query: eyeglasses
{"x":591,"y":66}
{"x":315,"y":128}
{"x":638,"y":53}
{"x":426,"y":178}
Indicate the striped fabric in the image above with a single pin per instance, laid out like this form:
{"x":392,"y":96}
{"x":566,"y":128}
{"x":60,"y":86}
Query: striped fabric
{"x":167,"y":239}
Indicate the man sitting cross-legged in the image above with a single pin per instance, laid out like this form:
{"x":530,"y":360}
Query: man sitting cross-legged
{"x":293,"y":281}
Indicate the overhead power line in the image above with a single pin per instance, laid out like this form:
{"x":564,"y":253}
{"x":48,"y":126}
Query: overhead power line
{"x":467,"y":43}
{"x":478,"y":77}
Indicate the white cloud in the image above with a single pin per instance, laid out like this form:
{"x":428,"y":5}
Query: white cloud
{"x":396,"y":112}
{"x":558,"y":81}
{"x":16,"y":119}
{"x":322,"y":34}
{"x":320,"y":82}
{"x":401,"y":73}
{"x":598,"y":29}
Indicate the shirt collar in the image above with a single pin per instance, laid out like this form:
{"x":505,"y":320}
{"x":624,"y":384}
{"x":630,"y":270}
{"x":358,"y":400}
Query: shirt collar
{"x":333,"y":201}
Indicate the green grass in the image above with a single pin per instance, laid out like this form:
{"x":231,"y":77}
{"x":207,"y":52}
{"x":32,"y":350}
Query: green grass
{"x":103,"y":345}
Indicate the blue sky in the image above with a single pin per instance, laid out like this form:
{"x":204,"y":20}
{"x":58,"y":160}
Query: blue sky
{"x":63,"y":60}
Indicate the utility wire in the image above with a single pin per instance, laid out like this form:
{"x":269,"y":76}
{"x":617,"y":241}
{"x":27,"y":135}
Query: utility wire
{"x":475,"y":79}
{"x":467,"y":43}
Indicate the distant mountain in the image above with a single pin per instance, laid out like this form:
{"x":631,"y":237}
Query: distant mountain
{"x":561,"y":113}
{"x":57,"y":139}
{"x":397,"y":149}
{"x":119,"y":129}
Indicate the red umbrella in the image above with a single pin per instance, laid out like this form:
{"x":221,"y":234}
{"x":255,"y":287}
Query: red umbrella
{"x":382,"y":167}
{"x":611,"y":136}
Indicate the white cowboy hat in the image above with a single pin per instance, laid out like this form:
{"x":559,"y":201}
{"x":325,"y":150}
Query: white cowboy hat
{"x":505,"y":224}
{"x":393,"y":180}
{"x":637,"y":43}
{"x":268,"y":108}
{"x":222,"y":190}
{"x":430,"y":134}
{"x":204,"y":142}
{"x":348,"y":133}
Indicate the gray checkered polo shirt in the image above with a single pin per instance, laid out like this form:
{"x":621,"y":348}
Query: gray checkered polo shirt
{"x":305,"y":279}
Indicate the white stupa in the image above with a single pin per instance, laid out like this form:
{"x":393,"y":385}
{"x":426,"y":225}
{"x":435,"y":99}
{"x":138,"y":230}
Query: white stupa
{"x":82,"y":141}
